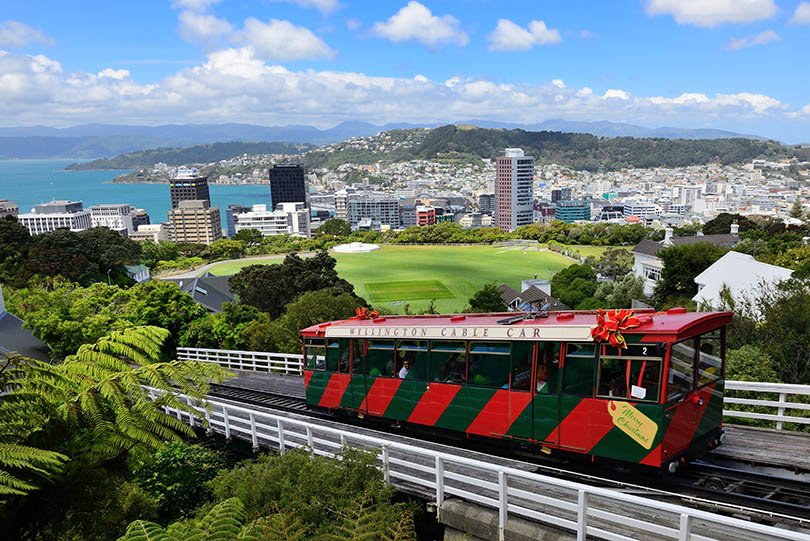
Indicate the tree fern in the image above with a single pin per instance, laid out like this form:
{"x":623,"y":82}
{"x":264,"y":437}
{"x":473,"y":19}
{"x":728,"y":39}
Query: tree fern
{"x":96,"y":405}
{"x":142,"y":530}
{"x":29,"y":460}
{"x":276,"y":527}
{"x":224,"y":522}
{"x":364,"y":521}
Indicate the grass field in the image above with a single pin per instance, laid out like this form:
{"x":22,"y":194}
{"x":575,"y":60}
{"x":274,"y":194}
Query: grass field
{"x":227,"y":268}
{"x":395,"y":275}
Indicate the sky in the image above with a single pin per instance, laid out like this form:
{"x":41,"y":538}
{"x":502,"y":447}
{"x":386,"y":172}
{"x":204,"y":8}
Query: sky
{"x":738,"y":65}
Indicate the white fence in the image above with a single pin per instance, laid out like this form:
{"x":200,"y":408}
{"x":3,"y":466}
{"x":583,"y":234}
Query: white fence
{"x":290,"y":363}
{"x":590,"y":512}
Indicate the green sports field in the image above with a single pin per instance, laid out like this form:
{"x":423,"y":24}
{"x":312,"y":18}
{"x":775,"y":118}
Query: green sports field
{"x":395,"y":275}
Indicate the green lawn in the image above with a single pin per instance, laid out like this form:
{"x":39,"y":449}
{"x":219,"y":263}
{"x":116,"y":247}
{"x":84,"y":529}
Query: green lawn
{"x":595,"y":251}
{"x":450,"y":274}
{"x":228,"y":268}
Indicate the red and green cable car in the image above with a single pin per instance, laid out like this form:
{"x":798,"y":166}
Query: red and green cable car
{"x":645,"y":388}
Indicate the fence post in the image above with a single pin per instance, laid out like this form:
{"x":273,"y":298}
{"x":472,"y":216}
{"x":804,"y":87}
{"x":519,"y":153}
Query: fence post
{"x":254,"y":437}
{"x":386,"y":473}
{"x":227,"y":423}
{"x":503,"y":503}
{"x":280,"y":437}
{"x":582,"y":515}
{"x":685,"y":530}
{"x":781,"y":411}
{"x":310,"y":442}
{"x":439,"y":485}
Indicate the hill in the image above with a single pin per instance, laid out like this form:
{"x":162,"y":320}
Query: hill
{"x":191,"y":155}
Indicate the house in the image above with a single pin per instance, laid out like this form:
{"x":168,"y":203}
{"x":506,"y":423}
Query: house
{"x":15,"y":339}
{"x":741,"y":273}
{"x":532,"y":297}
{"x":648,"y":265}
{"x":208,"y":290}
{"x":139,"y":273}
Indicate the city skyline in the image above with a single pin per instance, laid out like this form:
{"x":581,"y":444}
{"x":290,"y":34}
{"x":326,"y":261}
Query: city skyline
{"x":715,"y":64}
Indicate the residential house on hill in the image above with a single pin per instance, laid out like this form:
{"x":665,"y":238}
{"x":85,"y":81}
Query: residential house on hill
{"x":648,"y":265}
{"x":208,"y":290}
{"x":531,"y":298}
{"x":16,"y":339}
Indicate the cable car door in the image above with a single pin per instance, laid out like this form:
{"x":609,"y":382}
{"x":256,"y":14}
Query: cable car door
{"x":546,"y":398}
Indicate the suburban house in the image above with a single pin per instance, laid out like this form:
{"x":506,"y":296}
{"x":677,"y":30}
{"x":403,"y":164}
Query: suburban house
{"x":741,"y":274}
{"x":648,"y":265}
{"x":208,"y":290}
{"x":534,"y":295}
{"x":15,"y":339}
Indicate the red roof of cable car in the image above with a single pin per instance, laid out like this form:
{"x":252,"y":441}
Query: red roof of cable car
{"x":674,"y":322}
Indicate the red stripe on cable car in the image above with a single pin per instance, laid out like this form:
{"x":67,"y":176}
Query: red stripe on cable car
{"x":380,"y":395}
{"x":307,"y":377}
{"x":499,"y":413}
{"x":653,"y":458}
{"x":685,"y":421}
{"x":433,"y":403}
{"x":584,"y":426}
{"x":334,"y":390}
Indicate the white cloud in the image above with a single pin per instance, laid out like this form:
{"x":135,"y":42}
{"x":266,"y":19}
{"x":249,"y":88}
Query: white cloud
{"x":415,"y":22}
{"x":558,"y":83}
{"x":614,"y":94}
{"x":324,"y":6}
{"x":762,"y":38}
{"x":508,"y":36}
{"x":802,"y":14}
{"x":282,"y":41}
{"x":237,"y":85}
{"x":14,"y":34}
{"x":201,"y":28}
{"x":114,"y":74}
{"x":711,"y":13}
{"x":194,"y":5}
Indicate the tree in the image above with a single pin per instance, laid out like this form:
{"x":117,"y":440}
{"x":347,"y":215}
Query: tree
{"x":796,"y":210}
{"x":682,"y":264}
{"x":335,"y":227}
{"x":785,"y":330}
{"x":60,"y":253}
{"x":225,"y":329}
{"x":110,"y":251}
{"x":620,"y":293}
{"x":722,"y":224}
{"x":95,"y":408}
{"x":225,"y":249}
{"x":574,"y":284}
{"x":153,"y":252}
{"x":614,"y":263}
{"x":251,"y":237}
{"x":750,"y":363}
{"x":162,"y":304}
{"x":14,"y":244}
{"x":486,"y":299}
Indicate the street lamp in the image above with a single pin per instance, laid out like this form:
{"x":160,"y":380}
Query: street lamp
{"x":108,"y":277}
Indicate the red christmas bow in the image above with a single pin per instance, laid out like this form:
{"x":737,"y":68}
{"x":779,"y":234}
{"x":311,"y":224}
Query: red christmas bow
{"x":365,"y":313}
{"x":610,"y":324}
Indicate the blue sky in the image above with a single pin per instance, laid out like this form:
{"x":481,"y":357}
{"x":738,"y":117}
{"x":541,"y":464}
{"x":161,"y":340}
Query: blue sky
{"x":731,"y":64}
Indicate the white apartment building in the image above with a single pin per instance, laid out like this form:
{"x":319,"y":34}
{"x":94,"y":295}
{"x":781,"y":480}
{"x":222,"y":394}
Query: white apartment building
{"x":117,"y":217}
{"x":56,"y":215}
{"x":150,"y":232}
{"x":287,"y":219}
{"x":378,"y":207}
{"x":646,"y":211}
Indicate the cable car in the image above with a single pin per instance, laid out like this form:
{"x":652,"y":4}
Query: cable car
{"x":643,"y":387}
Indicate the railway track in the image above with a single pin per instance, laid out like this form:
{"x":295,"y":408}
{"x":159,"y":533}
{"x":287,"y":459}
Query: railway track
{"x":755,"y":496}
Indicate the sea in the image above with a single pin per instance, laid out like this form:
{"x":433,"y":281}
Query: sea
{"x":31,"y":182}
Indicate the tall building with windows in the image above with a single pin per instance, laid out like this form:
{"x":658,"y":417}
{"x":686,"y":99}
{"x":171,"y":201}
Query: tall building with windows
{"x":189,"y":185}
{"x":287,"y":184}
{"x":486,"y":203}
{"x":194,"y":221}
{"x":230,"y":217}
{"x":514,"y":173}
{"x":56,"y":215}
{"x":377,"y":207}
{"x":287,"y":219}
{"x":117,"y":217}
{"x":572,"y":211}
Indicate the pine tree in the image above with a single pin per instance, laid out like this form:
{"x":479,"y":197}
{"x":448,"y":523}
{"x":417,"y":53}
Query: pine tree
{"x":796,"y":211}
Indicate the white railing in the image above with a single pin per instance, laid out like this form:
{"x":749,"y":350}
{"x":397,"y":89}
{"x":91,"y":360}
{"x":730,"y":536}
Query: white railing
{"x":591,"y":512}
{"x":782,"y":404}
{"x":248,"y":361}
{"x":291,"y":363}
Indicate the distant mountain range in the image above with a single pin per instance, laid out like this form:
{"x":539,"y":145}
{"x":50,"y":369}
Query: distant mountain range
{"x":104,"y":140}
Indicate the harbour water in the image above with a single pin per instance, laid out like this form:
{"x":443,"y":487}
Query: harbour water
{"x":30,"y":182}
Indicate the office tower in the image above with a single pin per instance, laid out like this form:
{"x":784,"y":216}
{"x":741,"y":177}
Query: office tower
{"x":194,"y":221}
{"x":230,"y":217}
{"x":486,"y":203}
{"x":56,"y":215}
{"x":189,"y":185}
{"x":117,"y":217}
{"x":514,"y":173}
{"x":287,"y":184}
{"x":560,"y":194}
{"x":572,"y":211}
{"x":139,"y":217}
{"x":379,"y":208}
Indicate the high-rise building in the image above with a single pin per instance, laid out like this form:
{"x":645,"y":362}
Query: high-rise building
{"x":486,"y":203}
{"x":230,"y":217}
{"x":572,"y":211}
{"x":378,"y":207}
{"x":139,"y":217}
{"x":560,"y":194}
{"x":194,"y":221}
{"x":287,"y":184}
{"x":287,"y":219}
{"x":56,"y":215}
{"x":7,"y":208}
{"x":189,"y":185}
{"x":117,"y":217}
{"x":514,"y":173}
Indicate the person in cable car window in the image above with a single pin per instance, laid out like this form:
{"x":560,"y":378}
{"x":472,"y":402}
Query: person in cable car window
{"x":452,"y":370}
{"x":542,"y":378}
{"x":406,"y":367}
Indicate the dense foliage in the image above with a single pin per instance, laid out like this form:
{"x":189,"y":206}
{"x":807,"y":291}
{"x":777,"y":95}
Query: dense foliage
{"x":682,"y":264}
{"x":486,"y":299}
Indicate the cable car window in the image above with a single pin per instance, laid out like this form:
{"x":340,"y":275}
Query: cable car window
{"x":681,"y":378}
{"x":710,"y":358}
{"x":380,"y":358}
{"x":578,"y":370}
{"x":489,"y":364}
{"x":548,"y":363}
{"x":334,"y":357}
{"x":633,"y":373}
{"x":448,"y":362}
{"x":521,"y":378}
{"x":315,"y":354}
{"x":415,"y":354}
